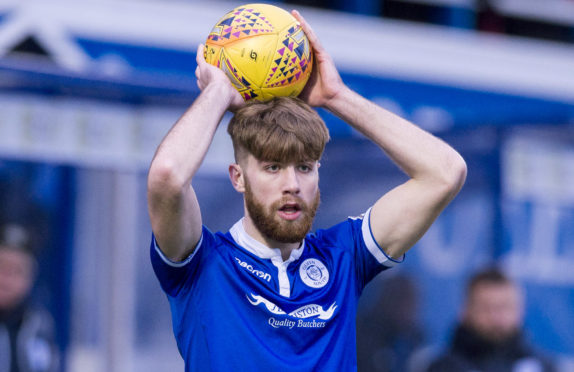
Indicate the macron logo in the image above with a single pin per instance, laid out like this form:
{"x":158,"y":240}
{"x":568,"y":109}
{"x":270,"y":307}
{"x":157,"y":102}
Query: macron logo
{"x":258,"y":273}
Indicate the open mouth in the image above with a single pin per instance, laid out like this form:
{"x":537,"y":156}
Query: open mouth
{"x":290,"y":210}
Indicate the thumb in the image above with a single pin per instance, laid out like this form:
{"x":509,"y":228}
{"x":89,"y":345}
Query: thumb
{"x":200,"y":56}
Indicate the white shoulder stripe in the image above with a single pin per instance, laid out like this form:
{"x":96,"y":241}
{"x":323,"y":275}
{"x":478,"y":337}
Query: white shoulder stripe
{"x":180,"y":263}
{"x":372,"y":244}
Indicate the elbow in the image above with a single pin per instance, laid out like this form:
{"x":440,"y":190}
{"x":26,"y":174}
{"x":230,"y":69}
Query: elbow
{"x":164,"y":181}
{"x":447,"y":176}
{"x":454,"y":174}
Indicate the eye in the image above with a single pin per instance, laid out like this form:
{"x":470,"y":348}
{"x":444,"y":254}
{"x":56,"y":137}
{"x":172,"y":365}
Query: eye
{"x":272,"y":168}
{"x":304,"y":168}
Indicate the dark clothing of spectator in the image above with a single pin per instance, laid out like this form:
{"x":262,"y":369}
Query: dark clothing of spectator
{"x":471,"y":352}
{"x":27,"y":341}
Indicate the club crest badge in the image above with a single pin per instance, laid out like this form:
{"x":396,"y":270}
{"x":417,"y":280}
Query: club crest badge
{"x":314,"y":273}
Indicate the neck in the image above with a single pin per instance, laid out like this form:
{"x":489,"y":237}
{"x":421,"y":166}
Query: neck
{"x":285,"y":248}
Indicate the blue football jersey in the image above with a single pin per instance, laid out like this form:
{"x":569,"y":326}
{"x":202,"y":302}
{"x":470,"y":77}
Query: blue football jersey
{"x":237,"y":306}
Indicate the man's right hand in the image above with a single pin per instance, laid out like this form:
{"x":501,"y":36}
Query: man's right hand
{"x":207,"y":74}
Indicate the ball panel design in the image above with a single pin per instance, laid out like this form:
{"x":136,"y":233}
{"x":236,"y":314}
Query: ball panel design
{"x":253,"y":56}
{"x":246,"y":87}
{"x":248,"y":20}
{"x":292,"y":59}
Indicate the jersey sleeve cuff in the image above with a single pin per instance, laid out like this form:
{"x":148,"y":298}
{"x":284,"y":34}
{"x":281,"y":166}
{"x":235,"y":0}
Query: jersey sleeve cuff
{"x":373,"y":246}
{"x":171,"y":263}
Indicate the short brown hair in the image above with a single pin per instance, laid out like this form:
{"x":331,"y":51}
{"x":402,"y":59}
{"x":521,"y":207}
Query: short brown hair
{"x":284,"y":129}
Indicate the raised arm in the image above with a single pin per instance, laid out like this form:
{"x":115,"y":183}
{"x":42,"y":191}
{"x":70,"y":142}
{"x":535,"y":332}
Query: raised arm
{"x":437,"y":172}
{"x":172,"y":203}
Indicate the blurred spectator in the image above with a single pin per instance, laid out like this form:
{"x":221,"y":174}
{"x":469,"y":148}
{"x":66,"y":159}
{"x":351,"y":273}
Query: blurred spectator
{"x":489,"y":337}
{"x":388,"y":330}
{"x":26,"y":331}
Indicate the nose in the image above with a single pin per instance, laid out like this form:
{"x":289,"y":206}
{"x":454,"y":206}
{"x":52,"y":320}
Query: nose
{"x":290,"y":181}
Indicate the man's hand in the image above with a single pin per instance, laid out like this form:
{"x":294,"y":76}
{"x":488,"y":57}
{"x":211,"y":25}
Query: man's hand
{"x":325,"y":82}
{"x":207,"y":74}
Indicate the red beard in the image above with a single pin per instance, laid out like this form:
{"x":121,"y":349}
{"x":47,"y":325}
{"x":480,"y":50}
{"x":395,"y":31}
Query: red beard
{"x":276,"y":228}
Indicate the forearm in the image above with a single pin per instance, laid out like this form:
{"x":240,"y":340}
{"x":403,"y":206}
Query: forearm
{"x":183,"y":149}
{"x":420,"y":154}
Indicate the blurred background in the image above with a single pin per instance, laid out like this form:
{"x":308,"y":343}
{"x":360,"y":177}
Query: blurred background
{"x":89,"y":88}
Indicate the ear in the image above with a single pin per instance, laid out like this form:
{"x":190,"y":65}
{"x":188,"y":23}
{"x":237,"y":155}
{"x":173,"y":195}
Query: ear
{"x":236,"y":177}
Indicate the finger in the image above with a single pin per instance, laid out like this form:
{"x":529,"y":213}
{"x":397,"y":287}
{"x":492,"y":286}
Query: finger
{"x":313,"y":39}
{"x":197,"y":72}
{"x":199,"y":58}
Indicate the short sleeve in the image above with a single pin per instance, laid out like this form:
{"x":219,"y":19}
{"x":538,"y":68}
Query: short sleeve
{"x":355,"y":236}
{"x":372,"y":245}
{"x":175,"y":276}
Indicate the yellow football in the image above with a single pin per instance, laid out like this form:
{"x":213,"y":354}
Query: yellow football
{"x":263,"y":50}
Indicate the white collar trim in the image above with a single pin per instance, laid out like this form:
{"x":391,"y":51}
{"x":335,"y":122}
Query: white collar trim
{"x":259,"y":249}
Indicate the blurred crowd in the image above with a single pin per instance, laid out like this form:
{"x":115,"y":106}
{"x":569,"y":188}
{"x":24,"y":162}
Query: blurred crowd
{"x":488,"y":336}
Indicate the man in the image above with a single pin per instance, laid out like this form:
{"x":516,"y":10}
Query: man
{"x":267,"y":295}
{"x":489,"y":337}
{"x":26,"y":332}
